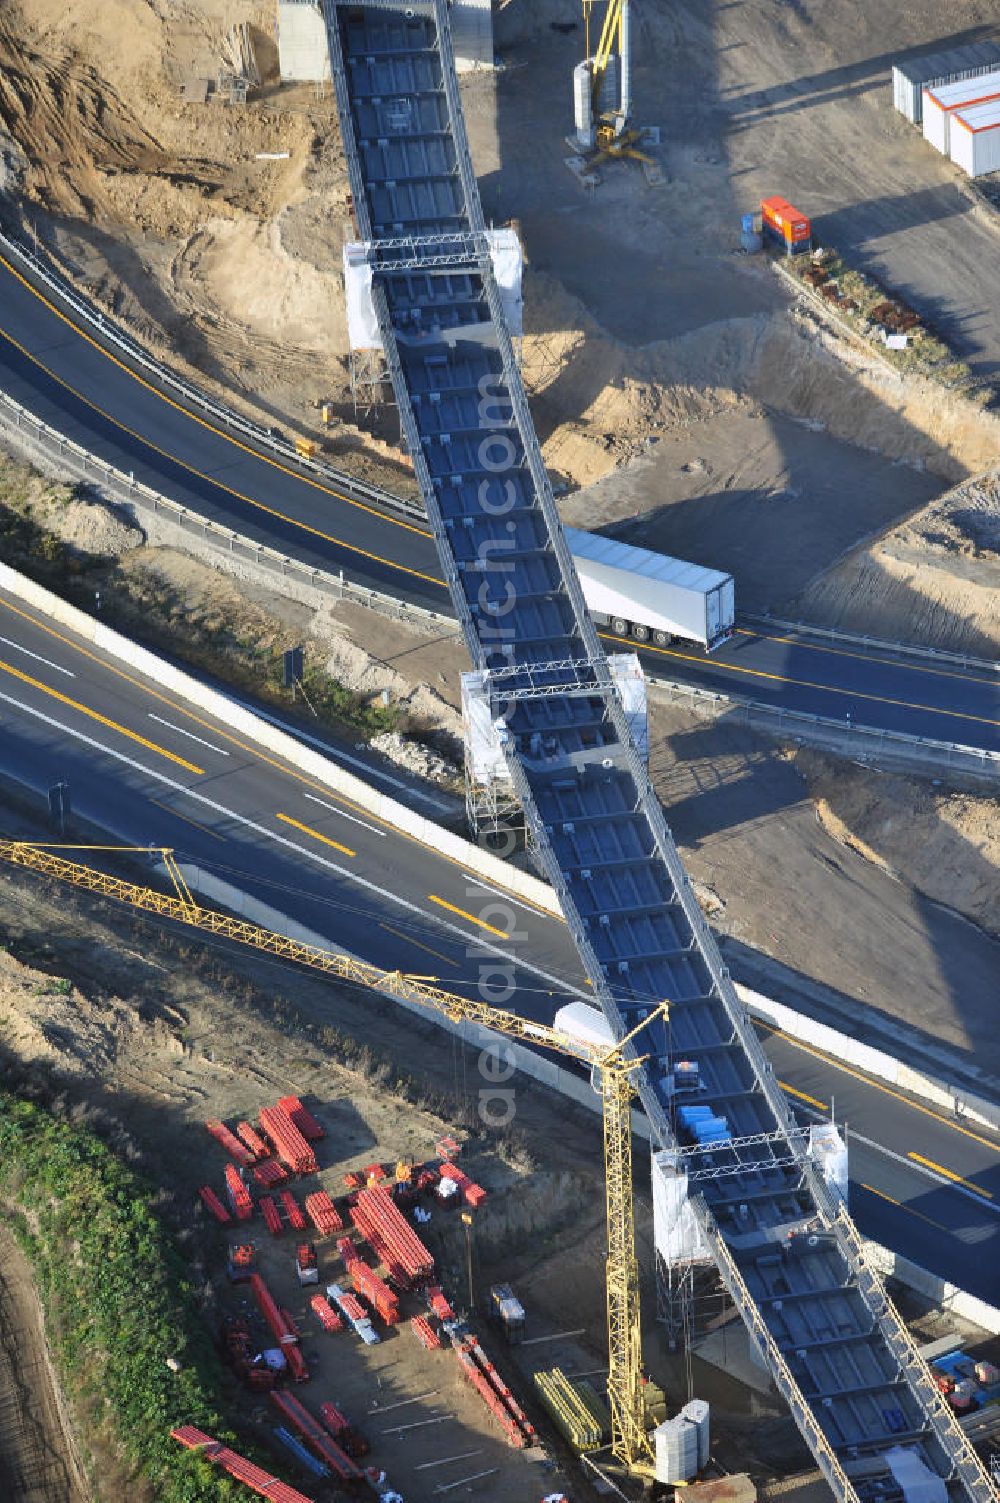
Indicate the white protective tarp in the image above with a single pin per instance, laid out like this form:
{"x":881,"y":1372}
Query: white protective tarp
{"x":828,"y":1152}
{"x":362,"y":325}
{"x":919,"y":1483}
{"x":676,"y":1233}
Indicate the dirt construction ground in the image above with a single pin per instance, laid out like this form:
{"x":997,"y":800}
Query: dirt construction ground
{"x":156,"y":1034}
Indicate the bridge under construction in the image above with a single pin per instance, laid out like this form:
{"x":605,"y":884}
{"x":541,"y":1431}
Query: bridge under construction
{"x":786,"y":1249}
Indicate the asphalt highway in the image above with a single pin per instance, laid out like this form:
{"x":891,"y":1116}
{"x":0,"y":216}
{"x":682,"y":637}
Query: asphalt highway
{"x":66,"y":375}
{"x":148,"y":769}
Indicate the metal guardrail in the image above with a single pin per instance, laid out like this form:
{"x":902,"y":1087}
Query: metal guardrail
{"x":876,"y":644}
{"x":113,"y":334}
{"x":857,"y":741}
{"x":30,"y":431}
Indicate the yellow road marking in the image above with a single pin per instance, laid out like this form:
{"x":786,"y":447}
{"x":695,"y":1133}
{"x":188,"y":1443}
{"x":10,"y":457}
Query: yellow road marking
{"x":286,"y":819}
{"x":179,"y":407}
{"x":866,"y":657}
{"x":904,"y":1207}
{"x":419,"y":943}
{"x":878,"y":1086}
{"x":918,"y":1158}
{"x":113,"y":725}
{"x":801,"y":683}
{"x":803,"y":1095}
{"x":254,"y":751}
{"x":187,"y":820}
{"x":433,"y":898}
{"x":271,"y":511}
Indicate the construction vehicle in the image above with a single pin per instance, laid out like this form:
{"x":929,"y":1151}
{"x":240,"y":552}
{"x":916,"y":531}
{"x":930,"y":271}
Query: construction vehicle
{"x":508,"y":1312}
{"x":612,"y":1071}
{"x":603,"y":92}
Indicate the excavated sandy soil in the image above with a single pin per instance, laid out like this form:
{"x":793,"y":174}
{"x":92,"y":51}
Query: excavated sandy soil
{"x":934,"y":579}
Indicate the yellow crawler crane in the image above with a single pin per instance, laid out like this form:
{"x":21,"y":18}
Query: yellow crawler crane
{"x":615,"y":1066}
{"x":614,"y":134}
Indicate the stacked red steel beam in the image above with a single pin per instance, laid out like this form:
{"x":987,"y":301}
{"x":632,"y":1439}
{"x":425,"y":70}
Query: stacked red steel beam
{"x":237,"y":1466}
{"x":248,"y":1134}
{"x":220,"y":1132}
{"x":289,"y":1144}
{"x":269,"y":1174}
{"x":326,"y":1314}
{"x":388,"y":1231}
{"x":376,"y":1291}
{"x":283,"y":1333}
{"x":472,"y":1194}
{"x":425,"y":1333}
{"x":292,"y":1210}
{"x":271,"y":1215}
{"x":323,"y":1213}
{"x":494,"y":1391}
{"x":303,"y":1120}
{"x":239,"y":1196}
{"x":347,"y":1251}
{"x":289,"y":1320}
{"x":339,"y":1463}
{"x":352,"y":1308}
{"x":215,"y":1205}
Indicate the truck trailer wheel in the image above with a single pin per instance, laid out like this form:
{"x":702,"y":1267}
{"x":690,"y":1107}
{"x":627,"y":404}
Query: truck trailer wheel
{"x":640,"y":632}
{"x":662,"y":638}
{"x":619,"y":626}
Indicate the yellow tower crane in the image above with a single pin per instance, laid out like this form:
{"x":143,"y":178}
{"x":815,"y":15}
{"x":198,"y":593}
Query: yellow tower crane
{"x":614,"y":1067}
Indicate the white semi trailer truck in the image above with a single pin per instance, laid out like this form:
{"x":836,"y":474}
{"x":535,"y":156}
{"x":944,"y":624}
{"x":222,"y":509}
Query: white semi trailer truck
{"x":649,"y":597}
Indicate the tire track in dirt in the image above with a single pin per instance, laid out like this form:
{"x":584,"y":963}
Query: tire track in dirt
{"x":38,"y":1460}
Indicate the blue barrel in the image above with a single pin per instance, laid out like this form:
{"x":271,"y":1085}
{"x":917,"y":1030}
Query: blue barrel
{"x":746,"y":224}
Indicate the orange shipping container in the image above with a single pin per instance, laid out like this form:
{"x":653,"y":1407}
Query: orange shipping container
{"x":785,"y":219}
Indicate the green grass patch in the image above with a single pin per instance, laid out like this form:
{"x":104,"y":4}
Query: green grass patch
{"x":117,"y":1298}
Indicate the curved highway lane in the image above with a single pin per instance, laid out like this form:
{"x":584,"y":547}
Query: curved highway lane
{"x":64,"y":373}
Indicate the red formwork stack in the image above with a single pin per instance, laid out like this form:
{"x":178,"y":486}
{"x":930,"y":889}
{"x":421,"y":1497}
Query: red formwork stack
{"x":289,"y":1144}
{"x":494,"y":1391}
{"x":281,"y":1328}
{"x":390,"y":1234}
{"x":326,"y":1314}
{"x":425,"y":1333}
{"x":269,"y":1174}
{"x":293,"y":1211}
{"x":472,"y":1194}
{"x":340,"y":1427}
{"x":352,"y":1307}
{"x":323,"y":1213}
{"x":249,"y":1135}
{"x":347,"y":1252}
{"x":271,"y":1215}
{"x":220,"y":1132}
{"x":239,"y":1196}
{"x":215,"y":1205}
{"x":376,"y":1291}
{"x":302,"y":1119}
{"x":237,"y":1466}
{"x":326,"y":1449}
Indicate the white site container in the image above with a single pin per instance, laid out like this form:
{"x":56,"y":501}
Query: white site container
{"x":975,"y":138}
{"x":913,"y":75}
{"x":942,"y":100}
{"x":648,"y":596}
